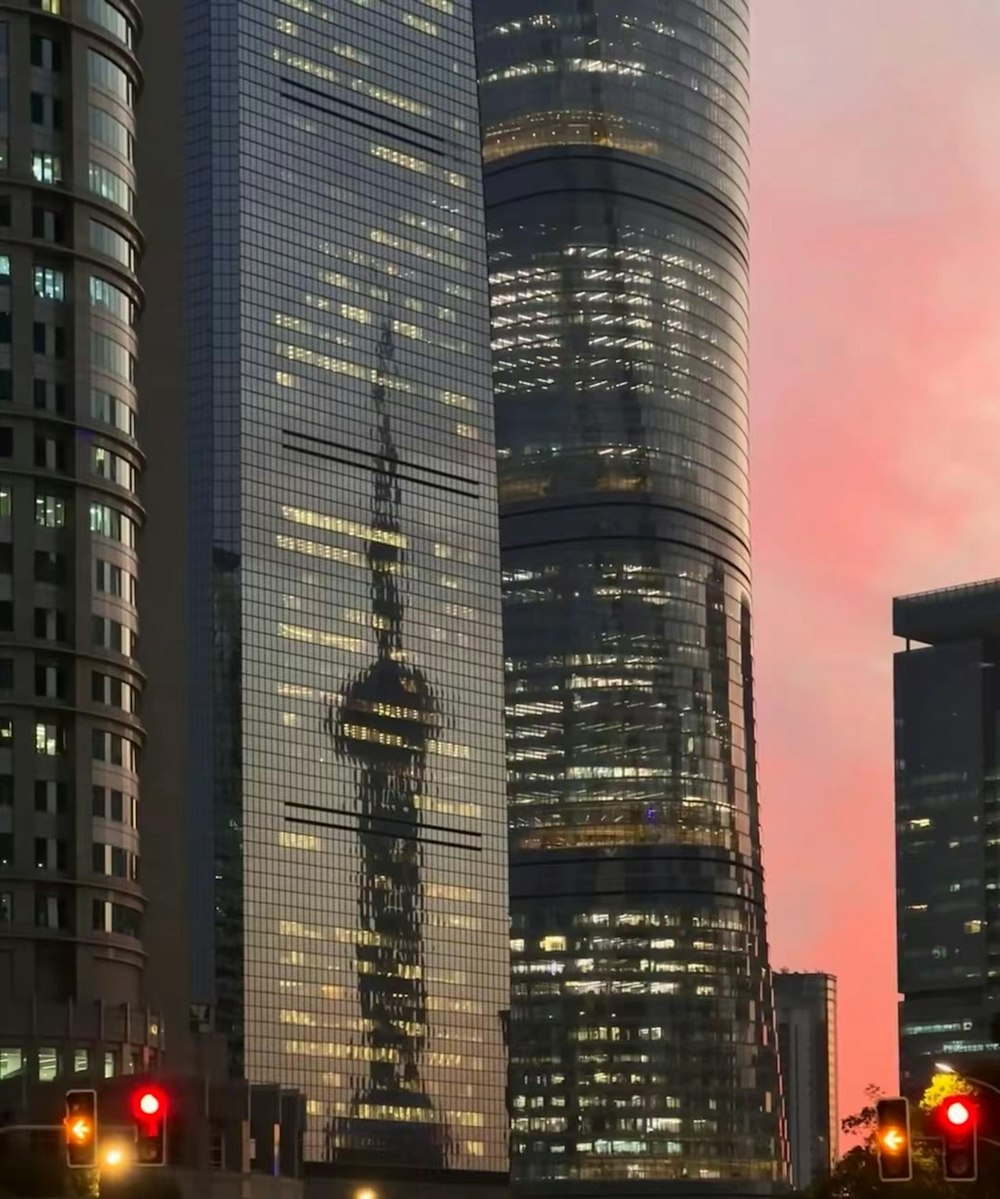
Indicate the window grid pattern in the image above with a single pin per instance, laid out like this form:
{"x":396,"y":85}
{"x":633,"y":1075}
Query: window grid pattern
{"x":642,"y":1027}
{"x":345,"y":547}
{"x":67,"y":736}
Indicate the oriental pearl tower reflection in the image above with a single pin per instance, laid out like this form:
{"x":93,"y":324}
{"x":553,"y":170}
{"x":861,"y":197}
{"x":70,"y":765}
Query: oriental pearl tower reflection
{"x":382,"y":722}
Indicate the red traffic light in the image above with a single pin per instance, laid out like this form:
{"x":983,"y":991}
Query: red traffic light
{"x":957,"y":1117}
{"x":957,"y":1113}
{"x":149,"y":1110}
{"x":149,"y":1104}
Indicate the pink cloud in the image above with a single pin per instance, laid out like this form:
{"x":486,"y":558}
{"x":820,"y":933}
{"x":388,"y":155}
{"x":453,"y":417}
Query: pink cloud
{"x":876,"y":347}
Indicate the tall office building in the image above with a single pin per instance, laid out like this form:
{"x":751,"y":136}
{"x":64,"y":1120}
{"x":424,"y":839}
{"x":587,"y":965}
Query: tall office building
{"x":642,"y":1033}
{"x":323,"y":612}
{"x":806,"y":1006}
{"x":71,"y":908}
{"x":947,"y":709}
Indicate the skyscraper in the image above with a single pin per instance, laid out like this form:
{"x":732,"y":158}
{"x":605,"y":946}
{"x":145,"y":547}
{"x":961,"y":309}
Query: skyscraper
{"x":335,"y":747}
{"x":642,"y":1033}
{"x":947,"y":705}
{"x":71,"y":906}
{"x":807,"y":1039}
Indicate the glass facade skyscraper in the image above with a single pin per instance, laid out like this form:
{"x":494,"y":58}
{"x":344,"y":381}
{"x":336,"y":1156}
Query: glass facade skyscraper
{"x":642,"y":1025}
{"x":947,"y":717}
{"x":346,"y":815}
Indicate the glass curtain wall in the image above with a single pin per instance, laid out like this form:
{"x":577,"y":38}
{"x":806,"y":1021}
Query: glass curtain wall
{"x":616,"y":149}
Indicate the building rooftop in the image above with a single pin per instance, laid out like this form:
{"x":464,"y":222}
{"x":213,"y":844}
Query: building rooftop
{"x":949,"y":614}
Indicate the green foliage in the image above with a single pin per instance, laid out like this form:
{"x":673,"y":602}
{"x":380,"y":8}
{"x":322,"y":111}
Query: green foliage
{"x":942,"y":1087}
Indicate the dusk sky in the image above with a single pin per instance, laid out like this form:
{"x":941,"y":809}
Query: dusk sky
{"x":876,"y":438}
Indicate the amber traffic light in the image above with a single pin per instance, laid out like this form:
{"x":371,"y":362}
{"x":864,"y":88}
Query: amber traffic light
{"x":957,"y":1118}
{"x":149,"y":1110}
{"x":895,"y":1157}
{"x":80,"y":1129}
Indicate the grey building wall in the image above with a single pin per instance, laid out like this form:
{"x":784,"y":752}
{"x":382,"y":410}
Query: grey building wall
{"x":328,"y":628}
{"x":642,"y":1030}
{"x":806,"y":1006}
{"x":71,"y":904}
{"x":947,"y":709}
{"x":162,"y":589}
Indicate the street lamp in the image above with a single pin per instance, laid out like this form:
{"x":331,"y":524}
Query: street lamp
{"x":944,"y":1068}
{"x":366,"y":1193}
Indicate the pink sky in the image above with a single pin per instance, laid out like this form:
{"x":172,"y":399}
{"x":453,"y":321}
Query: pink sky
{"x":876,"y":453}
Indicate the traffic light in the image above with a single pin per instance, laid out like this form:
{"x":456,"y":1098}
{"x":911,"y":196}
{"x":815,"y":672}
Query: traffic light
{"x":80,"y":1125}
{"x":895,"y":1159}
{"x":957,"y":1119}
{"x":149,"y":1109}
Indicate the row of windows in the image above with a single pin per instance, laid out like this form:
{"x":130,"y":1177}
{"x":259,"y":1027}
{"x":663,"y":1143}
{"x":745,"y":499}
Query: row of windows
{"x":50,"y":510}
{"x":115,"y":862}
{"x":106,"y":295}
{"x":111,"y":579}
{"x":114,"y":749}
{"x":51,"y":740}
{"x":52,"y":799}
{"x":51,"y":853}
{"x":110,"y":410}
{"x":108,"y":241}
{"x":113,"y":20}
{"x":47,"y":168}
{"x":109,"y":132}
{"x":53,"y":911}
{"x":51,"y":625}
{"x":110,"y":804}
{"x":109,"y":522}
{"x":114,"y":692}
{"x":50,"y":396}
{"x":111,"y":356}
{"x":108,"y":76}
{"x":108,"y":465}
{"x":51,"y":1060}
{"x":49,"y":283}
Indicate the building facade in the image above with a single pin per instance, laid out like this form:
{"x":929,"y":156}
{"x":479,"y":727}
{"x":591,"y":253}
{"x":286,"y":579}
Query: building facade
{"x":335,"y":750}
{"x":947,"y":713}
{"x":642,"y":1033}
{"x":806,"y":1006}
{"x":71,"y":906}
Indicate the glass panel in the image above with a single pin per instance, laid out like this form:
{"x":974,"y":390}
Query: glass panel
{"x":48,"y":1064}
{"x":11,"y":1063}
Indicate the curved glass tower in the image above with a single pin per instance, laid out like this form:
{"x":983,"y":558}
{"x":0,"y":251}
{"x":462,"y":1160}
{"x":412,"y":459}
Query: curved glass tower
{"x":642,"y":1040}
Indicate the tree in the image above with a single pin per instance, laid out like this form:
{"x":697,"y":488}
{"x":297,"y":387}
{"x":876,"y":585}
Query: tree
{"x":942,"y":1087}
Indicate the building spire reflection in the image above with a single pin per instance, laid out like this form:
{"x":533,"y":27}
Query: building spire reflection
{"x":382,"y":722}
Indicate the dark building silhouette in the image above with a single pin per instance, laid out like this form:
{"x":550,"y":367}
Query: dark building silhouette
{"x":325,"y":656}
{"x":806,"y":1006}
{"x":642,"y":1027}
{"x":72,"y":990}
{"x":947,"y":714}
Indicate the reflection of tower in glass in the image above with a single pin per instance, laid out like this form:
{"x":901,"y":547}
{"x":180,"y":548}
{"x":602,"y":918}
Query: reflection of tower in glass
{"x":385,"y":718}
